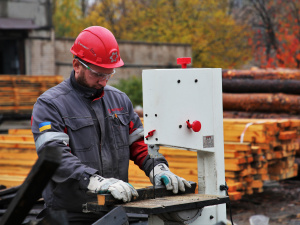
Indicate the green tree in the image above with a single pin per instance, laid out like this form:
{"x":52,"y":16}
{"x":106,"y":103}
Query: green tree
{"x":107,"y":13}
{"x":67,"y":17}
{"x":133,"y":88}
{"x":217,"y":41}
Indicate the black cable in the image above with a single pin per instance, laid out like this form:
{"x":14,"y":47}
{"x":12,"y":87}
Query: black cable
{"x":225,"y":188}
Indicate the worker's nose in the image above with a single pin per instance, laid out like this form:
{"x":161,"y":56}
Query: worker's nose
{"x":102,"y":82}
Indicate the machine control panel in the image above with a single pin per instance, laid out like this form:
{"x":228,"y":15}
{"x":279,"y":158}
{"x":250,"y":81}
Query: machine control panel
{"x":180,"y":107}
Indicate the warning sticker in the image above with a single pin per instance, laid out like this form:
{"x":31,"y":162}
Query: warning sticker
{"x":208,"y":141}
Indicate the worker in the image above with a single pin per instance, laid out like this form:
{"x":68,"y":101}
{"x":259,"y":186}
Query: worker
{"x":98,"y":131}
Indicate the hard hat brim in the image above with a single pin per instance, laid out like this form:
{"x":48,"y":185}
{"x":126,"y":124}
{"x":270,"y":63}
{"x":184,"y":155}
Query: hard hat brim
{"x":111,"y":65}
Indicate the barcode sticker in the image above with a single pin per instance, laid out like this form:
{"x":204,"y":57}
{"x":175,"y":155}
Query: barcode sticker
{"x":208,"y":141}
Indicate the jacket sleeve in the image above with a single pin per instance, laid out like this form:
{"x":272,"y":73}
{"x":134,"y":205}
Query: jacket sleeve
{"x":138,"y":148}
{"x":49,"y":130}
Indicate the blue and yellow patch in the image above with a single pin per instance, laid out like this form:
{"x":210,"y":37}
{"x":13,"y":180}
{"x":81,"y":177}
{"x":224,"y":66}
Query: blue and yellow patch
{"x":44,"y":126}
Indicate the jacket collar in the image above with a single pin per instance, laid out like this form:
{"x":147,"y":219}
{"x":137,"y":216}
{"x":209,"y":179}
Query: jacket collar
{"x":89,"y":93}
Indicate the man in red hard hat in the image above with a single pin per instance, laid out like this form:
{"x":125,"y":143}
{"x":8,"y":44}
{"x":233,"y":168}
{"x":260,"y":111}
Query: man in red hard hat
{"x":97,"y":129}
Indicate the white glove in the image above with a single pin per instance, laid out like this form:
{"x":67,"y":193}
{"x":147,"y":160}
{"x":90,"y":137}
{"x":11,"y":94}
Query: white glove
{"x":172,"y":181}
{"x":118,"y":188}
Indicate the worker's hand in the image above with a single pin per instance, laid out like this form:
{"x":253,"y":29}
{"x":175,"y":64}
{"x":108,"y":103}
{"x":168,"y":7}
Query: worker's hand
{"x":162,"y":174}
{"x":118,"y":188}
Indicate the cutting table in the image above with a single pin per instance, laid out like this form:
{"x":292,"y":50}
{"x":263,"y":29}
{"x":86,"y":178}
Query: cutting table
{"x":182,"y":208}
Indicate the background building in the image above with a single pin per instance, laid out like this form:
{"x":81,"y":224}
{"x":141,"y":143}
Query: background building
{"x":28,"y":45}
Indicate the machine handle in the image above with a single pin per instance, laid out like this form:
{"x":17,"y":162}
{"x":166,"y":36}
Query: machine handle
{"x":150,"y":133}
{"x":184,"y":61}
{"x":196,"y":125}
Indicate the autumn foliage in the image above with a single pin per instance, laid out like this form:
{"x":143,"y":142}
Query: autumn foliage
{"x":276,"y":39}
{"x":264,"y":32}
{"x":216,"y":39}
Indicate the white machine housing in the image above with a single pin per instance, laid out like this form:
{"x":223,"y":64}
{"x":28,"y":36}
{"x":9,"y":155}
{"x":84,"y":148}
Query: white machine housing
{"x":170,"y":98}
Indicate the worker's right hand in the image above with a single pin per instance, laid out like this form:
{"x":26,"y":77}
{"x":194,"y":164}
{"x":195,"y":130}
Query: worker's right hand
{"x":118,"y":188}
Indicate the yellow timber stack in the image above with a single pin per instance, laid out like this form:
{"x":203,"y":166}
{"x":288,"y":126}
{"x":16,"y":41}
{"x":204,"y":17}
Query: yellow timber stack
{"x":267,"y":153}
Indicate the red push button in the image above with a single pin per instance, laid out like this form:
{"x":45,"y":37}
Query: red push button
{"x":196,"y":125}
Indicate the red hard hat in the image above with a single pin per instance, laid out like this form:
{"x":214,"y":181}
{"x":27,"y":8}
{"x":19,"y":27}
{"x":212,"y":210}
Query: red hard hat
{"x":97,"y":45}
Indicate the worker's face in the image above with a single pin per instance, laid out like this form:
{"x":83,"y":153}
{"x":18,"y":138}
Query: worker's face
{"x":87,"y":78}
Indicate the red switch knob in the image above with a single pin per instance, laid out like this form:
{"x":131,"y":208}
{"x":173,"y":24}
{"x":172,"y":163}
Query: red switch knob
{"x":150,"y":133}
{"x":184,"y":61}
{"x":196,"y":125}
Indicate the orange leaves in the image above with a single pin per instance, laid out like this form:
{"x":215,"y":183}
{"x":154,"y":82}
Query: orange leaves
{"x":280,"y":47}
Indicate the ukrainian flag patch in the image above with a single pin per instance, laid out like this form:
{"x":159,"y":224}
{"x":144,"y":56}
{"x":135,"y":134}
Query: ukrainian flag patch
{"x":44,"y":126}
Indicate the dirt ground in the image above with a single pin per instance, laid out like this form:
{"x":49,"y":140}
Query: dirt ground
{"x":280,"y":201}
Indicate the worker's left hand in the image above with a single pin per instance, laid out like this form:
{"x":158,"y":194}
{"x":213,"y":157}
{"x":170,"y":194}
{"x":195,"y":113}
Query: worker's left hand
{"x":162,"y":174}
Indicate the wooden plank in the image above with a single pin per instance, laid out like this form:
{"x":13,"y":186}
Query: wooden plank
{"x":11,"y":183}
{"x":246,"y":146}
{"x":20,"y":145}
{"x":167,"y":204}
{"x":19,"y":93}
{"x":287,"y":135}
{"x":235,"y":167}
{"x":21,"y":162}
{"x":17,"y":138}
{"x":18,"y":154}
{"x":294,"y":123}
{"x":20,"y":132}
{"x":237,"y":174}
{"x":235,"y":195}
{"x":257,"y":184}
{"x":240,"y":160}
{"x":233,"y":154}
{"x":15,"y":170}
{"x":144,"y":193}
{"x":12,"y":179}
{"x":256,"y":137}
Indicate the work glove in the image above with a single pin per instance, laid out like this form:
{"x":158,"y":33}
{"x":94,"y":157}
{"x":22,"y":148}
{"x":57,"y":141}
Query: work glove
{"x":118,"y":188}
{"x":162,"y":174}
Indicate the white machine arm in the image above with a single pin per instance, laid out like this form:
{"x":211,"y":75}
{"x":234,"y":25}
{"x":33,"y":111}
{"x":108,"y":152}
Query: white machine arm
{"x":183,"y":109}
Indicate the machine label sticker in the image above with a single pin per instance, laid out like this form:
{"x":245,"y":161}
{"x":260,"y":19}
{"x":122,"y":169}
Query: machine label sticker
{"x":208,"y":141}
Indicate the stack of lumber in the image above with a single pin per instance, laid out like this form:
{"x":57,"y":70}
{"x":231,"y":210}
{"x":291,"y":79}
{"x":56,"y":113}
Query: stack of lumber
{"x":261,"y":93}
{"x":17,"y":156}
{"x":259,"y":150}
{"x":266,"y":152}
{"x":18,"y":93}
{"x":265,"y":94}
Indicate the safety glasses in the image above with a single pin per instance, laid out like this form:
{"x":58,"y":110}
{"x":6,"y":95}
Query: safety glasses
{"x":96,"y":75}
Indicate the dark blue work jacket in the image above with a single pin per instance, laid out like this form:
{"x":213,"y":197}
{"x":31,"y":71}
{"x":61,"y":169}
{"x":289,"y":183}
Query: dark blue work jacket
{"x":95,"y":136}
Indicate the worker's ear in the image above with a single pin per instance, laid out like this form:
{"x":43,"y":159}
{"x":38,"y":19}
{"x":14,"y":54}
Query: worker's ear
{"x":76,"y":66}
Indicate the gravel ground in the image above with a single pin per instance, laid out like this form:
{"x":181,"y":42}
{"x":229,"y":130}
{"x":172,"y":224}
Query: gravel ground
{"x":280,"y":201}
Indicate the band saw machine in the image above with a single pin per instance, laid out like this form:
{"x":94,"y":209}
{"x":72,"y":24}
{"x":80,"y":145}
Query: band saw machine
{"x":183,"y":109}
